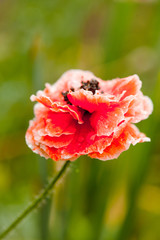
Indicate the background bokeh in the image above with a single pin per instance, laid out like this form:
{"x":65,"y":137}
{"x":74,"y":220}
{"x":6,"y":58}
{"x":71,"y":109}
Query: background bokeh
{"x":39,"y":40}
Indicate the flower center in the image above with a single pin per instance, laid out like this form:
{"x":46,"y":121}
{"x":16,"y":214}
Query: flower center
{"x":66,"y":97}
{"x":91,"y":85}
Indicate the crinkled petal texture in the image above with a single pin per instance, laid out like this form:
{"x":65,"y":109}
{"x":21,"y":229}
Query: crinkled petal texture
{"x":98,"y":123}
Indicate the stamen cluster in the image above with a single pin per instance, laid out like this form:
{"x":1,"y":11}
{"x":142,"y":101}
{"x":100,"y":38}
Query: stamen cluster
{"x":91,"y":85}
{"x":66,"y":98}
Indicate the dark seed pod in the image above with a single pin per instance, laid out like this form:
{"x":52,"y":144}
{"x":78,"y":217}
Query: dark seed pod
{"x":91,"y":85}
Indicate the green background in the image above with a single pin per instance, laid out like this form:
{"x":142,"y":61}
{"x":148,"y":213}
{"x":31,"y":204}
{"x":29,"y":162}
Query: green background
{"x":39,"y":40}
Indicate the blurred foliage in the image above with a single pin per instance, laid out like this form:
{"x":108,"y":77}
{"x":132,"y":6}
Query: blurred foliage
{"x":39,"y":40}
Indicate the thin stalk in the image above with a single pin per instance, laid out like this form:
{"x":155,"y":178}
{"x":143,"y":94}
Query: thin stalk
{"x":35,"y":202}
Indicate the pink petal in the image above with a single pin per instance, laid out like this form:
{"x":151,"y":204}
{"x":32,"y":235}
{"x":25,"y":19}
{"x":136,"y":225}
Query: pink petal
{"x":128,"y":86}
{"x":70,"y":79}
{"x":139,"y":109}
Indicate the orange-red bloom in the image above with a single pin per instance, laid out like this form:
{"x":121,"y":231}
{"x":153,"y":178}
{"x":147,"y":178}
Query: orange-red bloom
{"x":82,"y":114}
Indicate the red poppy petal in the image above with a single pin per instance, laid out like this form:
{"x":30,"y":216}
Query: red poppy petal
{"x":58,"y":123}
{"x":56,"y":142}
{"x":85,"y":141}
{"x":104,"y":122}
{"x":86,"y":100}
{"x":56,"y":154}
{"x":59,"y":107}
{"x":30,"y":140}
{"x":130,"y":135}
{"x":53,"y":123}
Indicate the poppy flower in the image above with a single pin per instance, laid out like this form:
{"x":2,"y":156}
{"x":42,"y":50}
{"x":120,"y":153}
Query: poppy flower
{"x":81,"y":114}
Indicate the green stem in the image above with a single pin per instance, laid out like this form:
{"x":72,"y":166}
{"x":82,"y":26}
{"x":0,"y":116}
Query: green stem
{"x":35,"y":202}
